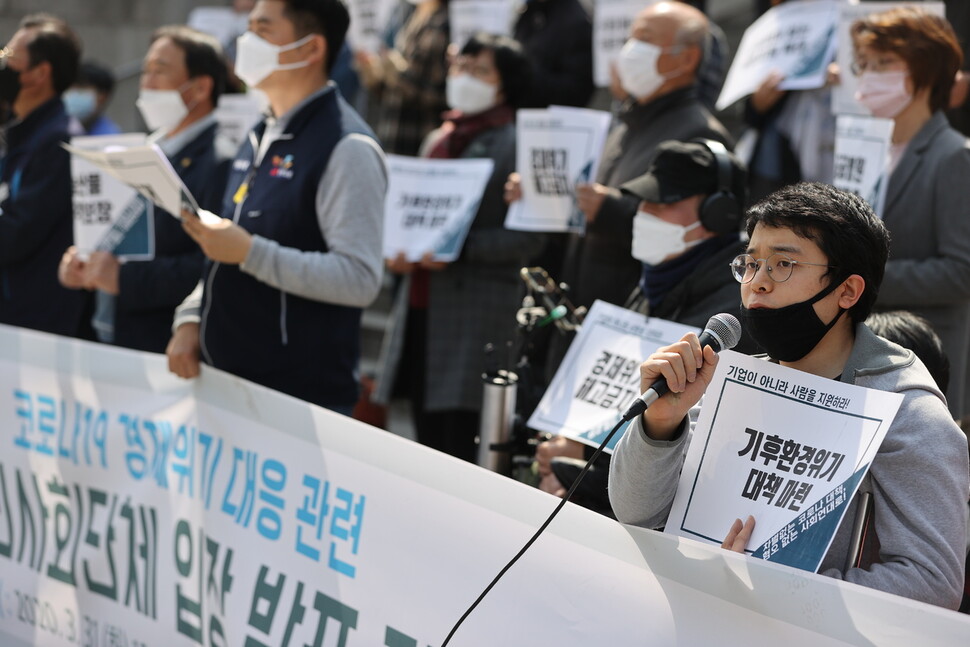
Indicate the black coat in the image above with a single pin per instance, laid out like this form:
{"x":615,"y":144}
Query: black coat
{"x":36,"y":224}
{"x":557,"y":36}
{"x":150,"y":290}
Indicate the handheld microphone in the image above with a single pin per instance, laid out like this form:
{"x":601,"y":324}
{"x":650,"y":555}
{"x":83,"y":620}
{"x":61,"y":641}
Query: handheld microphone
{"x":722,"y":332}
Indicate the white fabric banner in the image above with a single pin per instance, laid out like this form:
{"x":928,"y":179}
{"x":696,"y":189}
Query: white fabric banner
{"x":612,"y":20}
{"x":796,"y":39}
{"x":468,"y":17}
{"x":556,"y":149}
{"x":431,"y":204}
{"x":843,"y":94}
{"x":782,"y":445}
{"x":862,"y":146}
{"x":599,"y":377}
{"x":109,"y":215}
{"x":139,"y":509}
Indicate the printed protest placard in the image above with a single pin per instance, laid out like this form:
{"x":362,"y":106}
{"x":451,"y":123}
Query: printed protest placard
{"x":843,"y":94}
{"x":600,"y":375}
{"x":611,"y":28}
{"x":556,"y":149}
{"x":796,"y":39}
{"x":368,"y":21}
{"x":466,"y":17}
{"x":786,"y":447}
{"x":237,"y":114}
{"x":109,"y":215}
{"x":862,"y":146}
{"x":222,"y":22}
{"x":431,"y":204}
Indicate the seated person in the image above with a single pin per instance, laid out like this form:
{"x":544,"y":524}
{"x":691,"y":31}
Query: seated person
{"x":812,"y":271}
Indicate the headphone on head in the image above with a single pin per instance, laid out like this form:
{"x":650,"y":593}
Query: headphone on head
{"x":722,"y":211}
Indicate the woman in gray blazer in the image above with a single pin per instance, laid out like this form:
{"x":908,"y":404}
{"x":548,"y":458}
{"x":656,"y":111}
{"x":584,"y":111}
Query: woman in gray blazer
{"x":907,"y":61}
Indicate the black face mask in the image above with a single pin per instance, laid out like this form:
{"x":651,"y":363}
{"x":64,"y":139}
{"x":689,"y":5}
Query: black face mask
{"x":790,"y":333}
{"x":9,"y":84}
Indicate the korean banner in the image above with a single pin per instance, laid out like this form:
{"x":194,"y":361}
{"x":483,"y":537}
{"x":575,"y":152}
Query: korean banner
{"x":556,"y":149}
{"x":862,"y":147}
{"x":109,"y":215}
{"x":368,"y":22}
{"x":843,"y":94}
{"x":237,"y":114}
{"x":599,"y":377}
{"x":796,"y":39}
{"x":782,"y":445}
{"x":140,"y":509}
{"x":611,"y":29}
{"x":467,"y":17}
{"x":222,"y":22}
{"x":431,"y":204}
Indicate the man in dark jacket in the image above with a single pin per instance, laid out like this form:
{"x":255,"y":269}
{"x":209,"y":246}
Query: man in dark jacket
{"x":136,"y":301}
{"x":686,"y":233}
{"x":36,"y":67}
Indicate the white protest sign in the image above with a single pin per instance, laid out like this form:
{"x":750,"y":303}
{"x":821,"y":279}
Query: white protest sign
{"x":108,"y":214}
{"x":238,"y":113}
{"x":141,"y":509}
{"x":861,"y":166}
{"x":611,"y":29}
{"x":843,"y":94}
{"x":555,"y":150}
{"x":222,"y":22}
{"x":467,"y":17}
{"x":784,"y":446}
{"x":431,"y":204}
{"x":796,"y":39}
{"x":368,"y":20}
{"x":600,"y":374}
{"x":145,"y":169}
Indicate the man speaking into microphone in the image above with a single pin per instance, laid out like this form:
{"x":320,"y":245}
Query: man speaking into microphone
{"x":808,"y":279}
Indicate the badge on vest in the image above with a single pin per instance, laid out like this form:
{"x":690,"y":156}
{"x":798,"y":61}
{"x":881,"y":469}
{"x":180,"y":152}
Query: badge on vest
{"x":240,"y":165}
{"x":282,"y":167}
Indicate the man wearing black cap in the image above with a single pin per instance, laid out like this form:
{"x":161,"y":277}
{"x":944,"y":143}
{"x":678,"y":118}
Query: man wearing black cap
{"x":686,"y":233}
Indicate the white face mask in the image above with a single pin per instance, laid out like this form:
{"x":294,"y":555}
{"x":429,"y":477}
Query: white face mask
{"x":257,"y":58}
{"x":655,"y":239}
{"x":636,"y":66}
{"x":883,"y":93}
{"x":162,"y":109}
{"x":470,"y":95}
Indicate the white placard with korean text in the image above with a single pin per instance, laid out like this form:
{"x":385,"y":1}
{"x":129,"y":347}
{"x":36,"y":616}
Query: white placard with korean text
{"x":862,"y":147}
{"x":796,"y":39}
{"x":599,"y":377}
{"x":109,"y":215}
{"x":145,"y":169}
{"x":431,"y":204}
{"x":784,"y":446}
{"x":237,"y":114}
{"x":843,"y":94}
{"x":468,"y":17}
{"x":222,"y":22}
{"x":612,"y":20}
{"x":142,"y":509}
{"x":556,"y":149}
{"x":368,"y":22}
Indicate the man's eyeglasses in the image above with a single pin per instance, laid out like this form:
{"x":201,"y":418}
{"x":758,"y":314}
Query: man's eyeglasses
{"x":745,"y":266}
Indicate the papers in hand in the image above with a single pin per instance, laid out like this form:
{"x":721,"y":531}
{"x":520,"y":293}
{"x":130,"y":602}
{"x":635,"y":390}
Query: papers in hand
{"x":147,"y":170}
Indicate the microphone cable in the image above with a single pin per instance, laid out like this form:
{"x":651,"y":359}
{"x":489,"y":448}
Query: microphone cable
{"x":545,"y":524}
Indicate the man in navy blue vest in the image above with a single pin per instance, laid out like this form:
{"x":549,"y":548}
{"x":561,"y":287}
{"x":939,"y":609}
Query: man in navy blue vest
{"x":182,"y":76}
{"x":36,"y":67}
{"x":297,"y":252}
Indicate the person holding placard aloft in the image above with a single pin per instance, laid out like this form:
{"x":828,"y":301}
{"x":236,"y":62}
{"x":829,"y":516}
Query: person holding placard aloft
{"x":445,"y":313}
{"x":809,"y":278}
{"x":907,"y":60}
